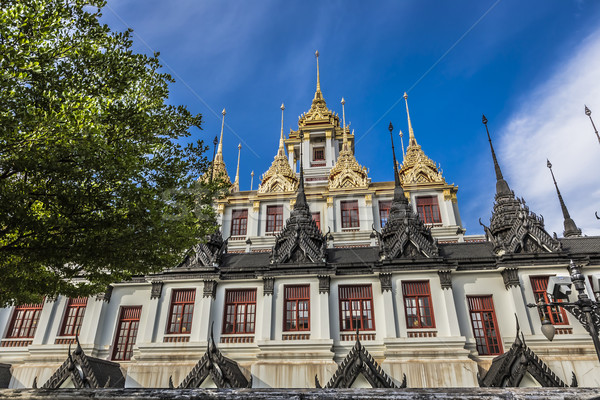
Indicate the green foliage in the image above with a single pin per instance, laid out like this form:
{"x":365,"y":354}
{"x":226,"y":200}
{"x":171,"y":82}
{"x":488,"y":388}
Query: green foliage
{"x":93,"y":180}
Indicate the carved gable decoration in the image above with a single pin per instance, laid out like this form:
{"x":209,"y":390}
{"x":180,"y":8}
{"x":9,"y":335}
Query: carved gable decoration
{"x":418,"y":168}
{"x":404,"y":234}
{"x":318,"y":113}
{"x":224,"y":372}
{"x":359,"y":361}
{"x":508,"y":369}
{"x":347,"y":172}
{"x":86,"y":372}
{"x":515,"y":229}
{"x":209,"y":254}
{"x":279,"y":177}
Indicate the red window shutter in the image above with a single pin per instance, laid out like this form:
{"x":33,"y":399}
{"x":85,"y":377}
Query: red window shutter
{"x":356,"y":308}
{"x":240,"y":311}
{"x":296,"y":308}
{"x":127,"y":329}
{"x":485,"y":326}
{"x":384,"y":212}
{"x":274,"y":218}
{"x":418,"y":305}
{"x":350,"y":214}
{"x":182,"y":311}
{"x":73,"y":318}
{"x":239,"y":222}
{"x":429,"y":209}
{"x":24,"y":321}
{"x":557,"y":315}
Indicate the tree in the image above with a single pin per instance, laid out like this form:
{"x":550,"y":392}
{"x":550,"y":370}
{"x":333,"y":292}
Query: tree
{"x":94,"y":184}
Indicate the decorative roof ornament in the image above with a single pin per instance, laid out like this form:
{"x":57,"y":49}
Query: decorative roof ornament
{"x":86,"y":372}
{"x":416,"y":166}
{"x":571,"y":230}
{"x":513,"y":228}
{"x":224,"y":372}
{"x":347,"y":172}
{"x":509,"y":369}
{"x":208,"y":254}
{"x":318,"y":110}
{"x":588,"y":112}
{"x":359,"y":361}
{"x":300,"y":239}
{"x":219,"y":171}
{"x":236,"y":183}
{"x":279,"y":177}
{"x":404,"y":234}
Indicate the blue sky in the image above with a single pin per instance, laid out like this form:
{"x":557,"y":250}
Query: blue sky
{"x":529,"y":66}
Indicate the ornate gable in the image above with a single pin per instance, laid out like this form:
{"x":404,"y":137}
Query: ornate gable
{"x":86,"y":372}
{"x":347,"y":172}
{"x":300,"y":240}
{"x":359,"y":361}
{"x":418,"y":168}
{"x":224,"y":372}
{"x":207,"y":254}
{"x":508,"y":369}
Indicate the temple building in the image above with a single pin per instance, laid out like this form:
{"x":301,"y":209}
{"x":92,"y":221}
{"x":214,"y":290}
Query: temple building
{"x":322,"y":278}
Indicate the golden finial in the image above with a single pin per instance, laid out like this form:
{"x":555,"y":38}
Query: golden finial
{"x":220,"y":149}
{"x":318,"y":79}
{"x":236,"y":183}
{"x":402,"y":144}
{"x":411,"y":133}
{"x":345,"y":136}
{"x":251,"y":179}
{"x":281,"y":146}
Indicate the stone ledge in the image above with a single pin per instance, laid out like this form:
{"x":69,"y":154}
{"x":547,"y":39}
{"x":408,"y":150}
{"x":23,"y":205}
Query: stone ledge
{"x":306,"y":394}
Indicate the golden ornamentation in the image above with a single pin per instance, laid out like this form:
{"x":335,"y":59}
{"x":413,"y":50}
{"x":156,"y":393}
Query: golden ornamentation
{"x":256,"y":206}
{"x":329,"y":202}
{"x":447,"y":195}
{"x":292,"y":202}
{"x":279,"y":177}
{"x":368,"y":199}
{"x":328,"y":134}
{"x":220,"y":208}
{"x":219,"y":171}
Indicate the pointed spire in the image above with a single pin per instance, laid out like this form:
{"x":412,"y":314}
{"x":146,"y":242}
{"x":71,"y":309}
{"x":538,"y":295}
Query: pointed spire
{"x":501,"y":184}
{"x":220,"y":149}
{"x":412,"y":141}
{"x":344,"y":134}
{"x":301,"y":197}
{"x":236,"y":183}
{"x":318,"y":94}
{"x":397,"y":187}
{"x":570,"y":227}
{"x":588,"y":112}
{"x":402,"y":144}
{"x":251,"y":179}
{"x":281,"y":150}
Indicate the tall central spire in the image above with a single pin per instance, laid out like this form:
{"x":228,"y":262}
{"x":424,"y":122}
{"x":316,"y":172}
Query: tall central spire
{"x":219,"y":156}
{"x":397,"y":186}
{"x":412,"y":141}
{"x":318,"y":94}
{"x":301,"y":198}
{"x":501,"y":184}
{"x":344,"y":134}
{"x":570,"y":227}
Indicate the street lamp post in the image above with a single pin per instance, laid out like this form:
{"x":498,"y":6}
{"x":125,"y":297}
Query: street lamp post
{"x":586,"y":310}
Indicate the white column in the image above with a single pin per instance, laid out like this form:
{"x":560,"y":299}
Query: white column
{"x":263,"y":326}
{"x":253,"y":221}
{"x":388,"y":312}
{"x":330,"y":217}
{"x":202,"y":313}
{"x":44,"y":323}
{"x":91,"y":321}
{"x":451,"y":315}
{"x":329,"y":153}
{"x":513,"y":285}
{"x":322,"y":330}
{"x":150,"y":311}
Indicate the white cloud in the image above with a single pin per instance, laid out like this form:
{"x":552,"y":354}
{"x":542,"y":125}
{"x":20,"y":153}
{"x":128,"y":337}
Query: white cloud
{"x":550,"y":123}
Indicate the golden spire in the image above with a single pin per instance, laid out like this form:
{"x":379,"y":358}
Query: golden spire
{"x":318,"y":94}
{"x":411,"y":133}
{"x":251,"y":180}
{"x":219,"y":156}
{"x":402,"y":143}
{"x":236,"y":183}
{"x":345,"y":135}
{"x":281,"y":150}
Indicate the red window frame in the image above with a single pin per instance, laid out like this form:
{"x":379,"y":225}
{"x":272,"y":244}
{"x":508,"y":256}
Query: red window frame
{"x":356,"y":307}
{"x":485,"y":326}
{"x":350,"y":217}
{"x":296,"y":308}
{"x":316,"y":216}
{"x":418,"y":306}
{"x":182,"y":311}
{"x":557,"y":315}
{"x":74,"y":316}
{"x":239,"y":311}
{"x":127,"y":329}
{"x":429,"y":209}
{"x":384,"y":212}
{"x":274,"y":218}
{"x":239,"y":222}
{"x":318,"y":153}
{"x":24,"y":320}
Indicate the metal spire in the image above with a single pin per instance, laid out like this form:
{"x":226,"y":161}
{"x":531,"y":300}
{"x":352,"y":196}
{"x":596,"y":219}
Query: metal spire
{"x":236,"y":183}
{"x":281,"y":150}
{"x":501,"y":184}
{"x":301,"y":198}
{"x":345,"y":136}
{"x":570,"y":227}
{"x":396,"y":176}
{"x":318,"y":92}
{"x":220,"y":149}
{"x":588,"y":112}
{"x":412,"y":141}
{"x":402,"y":144}
{"x":251,"y":179}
